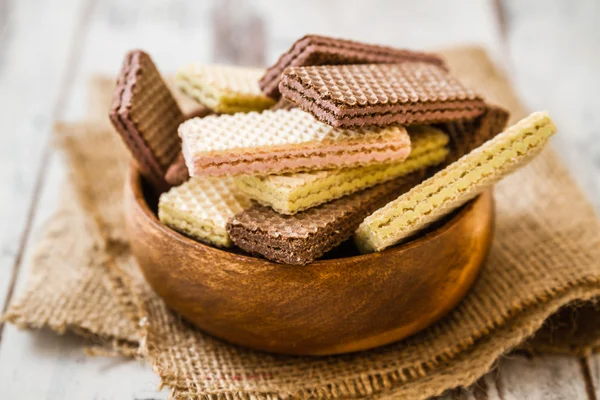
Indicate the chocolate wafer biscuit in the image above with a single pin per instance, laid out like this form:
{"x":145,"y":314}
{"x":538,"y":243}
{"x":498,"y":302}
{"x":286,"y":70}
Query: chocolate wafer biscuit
{"x":291,"y":193}
{"x":351,"y":96}
{"x":301,"y":238}
{"x":177,"y":172}
{"x":467,"y":135}
{"x":455,"y":184}
{"x":200,"y":209}
{"x":224,"y":89}
{"x":274,"y":142}
{"x":145,"y":114}
{"x":322,"y":50}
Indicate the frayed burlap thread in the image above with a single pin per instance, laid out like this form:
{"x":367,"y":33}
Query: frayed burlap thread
{"x":544,"y":262}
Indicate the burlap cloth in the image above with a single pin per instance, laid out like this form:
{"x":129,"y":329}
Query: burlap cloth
{"x":544,"y":261}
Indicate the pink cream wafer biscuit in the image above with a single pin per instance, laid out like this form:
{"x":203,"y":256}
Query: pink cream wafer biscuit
{"x":274,"y":142}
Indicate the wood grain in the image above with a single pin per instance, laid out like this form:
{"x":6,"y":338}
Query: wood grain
{"x":327,"y":307}
{"x":553,"y":45}
{"x":541,"y":377}
{"x":30,"y":90}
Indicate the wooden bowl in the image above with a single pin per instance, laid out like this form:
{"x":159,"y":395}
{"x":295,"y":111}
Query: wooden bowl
{"x":328,"y":307}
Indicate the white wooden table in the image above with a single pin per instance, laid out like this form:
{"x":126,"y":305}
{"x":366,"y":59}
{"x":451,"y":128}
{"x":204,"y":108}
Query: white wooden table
{"x":49,"y":49}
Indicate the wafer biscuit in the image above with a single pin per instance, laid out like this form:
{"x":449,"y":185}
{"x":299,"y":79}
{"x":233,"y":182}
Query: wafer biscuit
{"x":467,"y":135}
{"x":301,"y":238}
{"x":283,"y":104}
{"x":274,"y":142}
{"x":351,"y":96}
{"x":456,"y":184}
{"x":322,"y":50}
{"x":145,"y":114}
{"x":200,"y":209}
{"x":291,"y":193}
{"x":224,"y":89}
{"x":177,"y":172}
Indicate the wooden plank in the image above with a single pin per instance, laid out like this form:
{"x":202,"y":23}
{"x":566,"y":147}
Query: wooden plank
{"x":60,"y":368}
{"x":173,"y":33}
{"x":541,"y":377}
{"x":58,"y":364}
{"x":550,"y":47}
{"x":415,"y":24}
{"x":555,"y":64}
{"x":62,"y":371}
{"x":483,"y":389}
{"x":32,"y":79}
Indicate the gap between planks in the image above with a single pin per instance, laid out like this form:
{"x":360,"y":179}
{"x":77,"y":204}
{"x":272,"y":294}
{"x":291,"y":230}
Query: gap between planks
{"x":584,"y":363}
{"x":73,"y":60}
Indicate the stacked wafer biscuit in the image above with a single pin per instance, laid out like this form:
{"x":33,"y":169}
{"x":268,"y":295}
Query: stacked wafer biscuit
{"x":337,"y":138}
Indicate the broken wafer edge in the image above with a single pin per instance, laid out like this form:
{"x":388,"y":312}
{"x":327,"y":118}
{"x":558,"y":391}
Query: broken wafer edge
{"x":275,"y":142}
{"x":291,"y":193}
{"x":201,"y":207}
{"x":224,"y":89}
{"x":456,"y":184}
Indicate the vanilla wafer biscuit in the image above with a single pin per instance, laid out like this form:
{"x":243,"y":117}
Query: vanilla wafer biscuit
{"x":146,"y":115}
{"x":291,"y":193}
{"x":224,"y":89}
{"x":301,"y":238}
{"x":201,"y":207}
{"x":274,"y":142}
{"x":323,"y":50}
{"x":456,"y":184}
{"x":351,"y":96}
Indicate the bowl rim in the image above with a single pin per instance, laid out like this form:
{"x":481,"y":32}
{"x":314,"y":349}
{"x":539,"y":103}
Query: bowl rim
{"x":135,"y":179}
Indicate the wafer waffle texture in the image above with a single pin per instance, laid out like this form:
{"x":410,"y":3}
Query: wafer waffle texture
{"x":467,"y":135}
{"x":323,"y":50}
{"x":146,"y":115}
{"x":224,"y":89}
{"x":301,"y":238}
{"x":456,"y":184}
{"x":351,"y":96}
{"x":200,"y":209}
{"x":275,"y":142}
{"x":291,"y":193}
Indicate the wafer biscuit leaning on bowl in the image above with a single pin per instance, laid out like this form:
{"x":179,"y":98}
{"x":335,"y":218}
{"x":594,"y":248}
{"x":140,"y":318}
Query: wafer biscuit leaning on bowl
{"x":146,"y":116}
{"x":456,"y":184}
